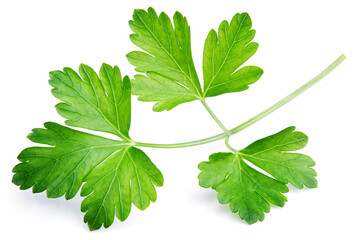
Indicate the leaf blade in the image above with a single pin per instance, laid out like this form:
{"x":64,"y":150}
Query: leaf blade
{"x":247,"y":191}
{"x":168,"y":54}
{"x":88,"y":100}
{"x":140,"y":171}
{"x":76,"y":157}
{"x":225,"y":52}
{"x":272,"y":155}
{"x":60,"y":169}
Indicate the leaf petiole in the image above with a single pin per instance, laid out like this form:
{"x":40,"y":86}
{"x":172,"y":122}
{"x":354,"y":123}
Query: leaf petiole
{"x":228,"y":145}
{"x":252,"y":120}
{"x":222,"y":126}
{"x":217,"y":120}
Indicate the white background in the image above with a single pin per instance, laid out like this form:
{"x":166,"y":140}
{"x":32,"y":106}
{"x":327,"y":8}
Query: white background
{"x":298,"y":39}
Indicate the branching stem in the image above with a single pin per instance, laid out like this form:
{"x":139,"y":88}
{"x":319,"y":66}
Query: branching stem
{"x":252,"y":120}
{"x":221,"y":125}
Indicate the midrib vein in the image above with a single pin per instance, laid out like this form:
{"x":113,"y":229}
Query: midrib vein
{"x":99,"y":110}
{"x":224,"y":60}
{"x":172,"y":58}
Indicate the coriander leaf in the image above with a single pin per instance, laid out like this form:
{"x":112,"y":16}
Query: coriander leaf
{"x":170,"y":78}
{"x":248,"y":191}
{"x":128,"y":176}
{"x":116,"y":174}
{"x":225,"y":53}
{"x":93,"y":102}
{"x":271,"y":154}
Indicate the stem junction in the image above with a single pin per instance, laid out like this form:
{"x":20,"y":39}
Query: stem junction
{"x":227,"y":133}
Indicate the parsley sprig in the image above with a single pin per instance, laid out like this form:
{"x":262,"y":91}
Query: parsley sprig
{"x":114,"y":174}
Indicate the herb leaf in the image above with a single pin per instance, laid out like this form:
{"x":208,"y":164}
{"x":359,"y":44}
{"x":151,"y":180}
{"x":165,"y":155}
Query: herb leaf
{"x":128,"y":176}
{"x":225,"y":53}
{"x":271,"y":154}
{"x":170,"y":78}
{"x":61,"y":169}
{"x":115,"y":173}
{"x":248,"y":191}
{"x":93,"y":102}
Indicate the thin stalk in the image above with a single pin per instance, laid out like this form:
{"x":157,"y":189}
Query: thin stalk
{"x":222,"y":126}
{"x":212,"y":114}
{"x":182,"y":145}
{"x":289,"y":97}
{"x":228,"y":145}
{"x":252,"y":120}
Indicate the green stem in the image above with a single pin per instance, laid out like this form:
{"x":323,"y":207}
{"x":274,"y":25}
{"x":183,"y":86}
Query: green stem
{"x":182,"y":145}
{"x":289,"y":97}
{"x":212,"y":114}
{"x":217,"y":120}
{"x":228,"y":145}
{"x":252,"y":120}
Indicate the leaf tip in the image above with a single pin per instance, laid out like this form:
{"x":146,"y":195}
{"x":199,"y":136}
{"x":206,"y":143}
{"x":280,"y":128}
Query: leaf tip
{"x":83,"y":66}
{"x":179,"y":16}
{"x":53,"y":73}
{"x":105,"y":65}
{"x":151,"y":10}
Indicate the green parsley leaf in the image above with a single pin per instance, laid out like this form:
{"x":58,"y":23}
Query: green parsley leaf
{"x":128,"y":176}
{"x":93,"y":102}
{"x":250,"y":192}
{"x":225,"y":53}
{"x":61,"y":169}
{"x":115,"y":173}
{"x":271,"y":154}
{"x":170,"y":78}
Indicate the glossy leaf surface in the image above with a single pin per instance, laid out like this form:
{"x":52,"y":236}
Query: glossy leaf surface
{"x":225,"y":52}
{"x":170,"y":77}
{"x":100,"y":103}
{"x":115,"y":173}
{"x":250,"y":192}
